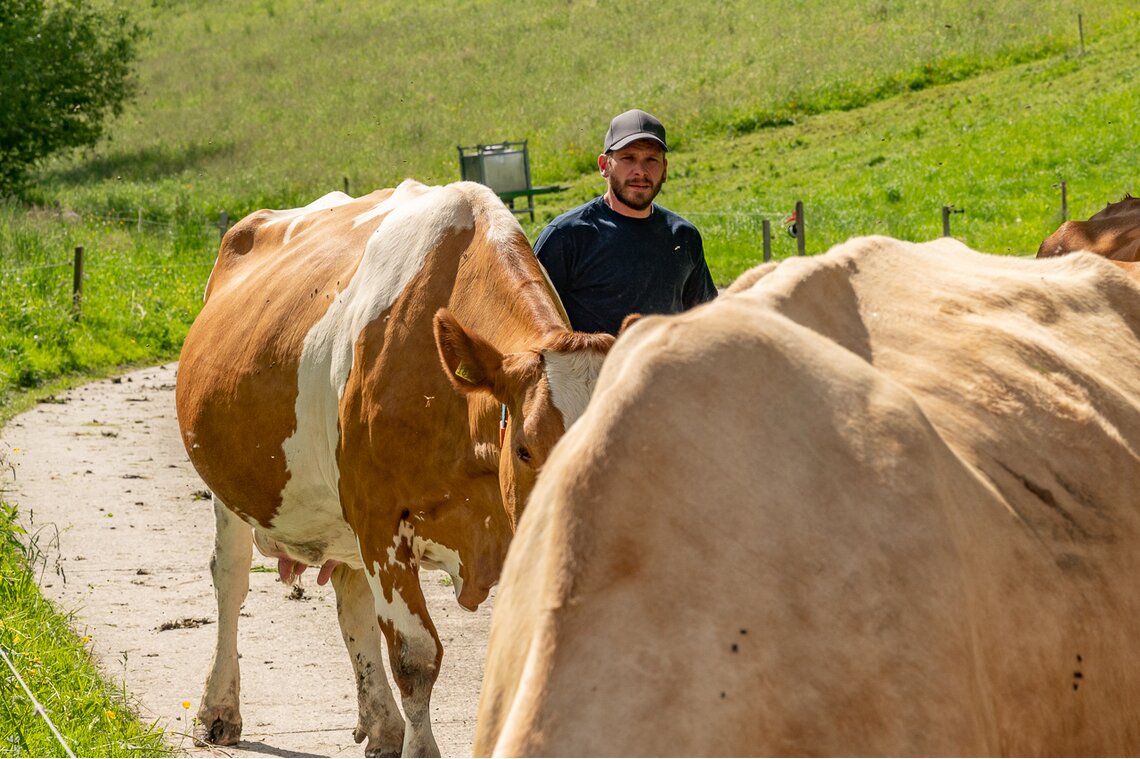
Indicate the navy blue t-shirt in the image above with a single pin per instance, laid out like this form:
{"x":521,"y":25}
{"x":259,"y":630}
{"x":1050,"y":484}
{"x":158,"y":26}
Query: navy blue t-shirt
{"x":606,"y":266}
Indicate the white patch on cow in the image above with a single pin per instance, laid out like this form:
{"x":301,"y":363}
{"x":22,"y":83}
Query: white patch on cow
{"x":310,"y":510}
{"x":572,"y":377}
{"x":397,"y":612}
{"x":266,"y":545}
{"x":407,"y":188}
{"x":296,"y":215}
{"x":438,"y":556}
{"x":502,"y":226}
{"x":405,"y":533}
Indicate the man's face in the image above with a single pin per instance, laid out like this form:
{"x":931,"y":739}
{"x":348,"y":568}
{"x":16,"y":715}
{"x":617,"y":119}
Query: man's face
{"x":635,"y":173}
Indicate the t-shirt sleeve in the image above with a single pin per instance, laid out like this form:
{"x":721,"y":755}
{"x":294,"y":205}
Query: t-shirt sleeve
{"x":699,"y":287}
{"x":555,"y":253}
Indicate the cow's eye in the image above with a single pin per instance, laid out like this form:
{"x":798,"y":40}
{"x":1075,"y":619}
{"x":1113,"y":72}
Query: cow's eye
{"x":523,"y":454}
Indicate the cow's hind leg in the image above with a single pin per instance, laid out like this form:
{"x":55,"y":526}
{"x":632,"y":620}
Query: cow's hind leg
{"x":219,"y":715}
{"x":380,"y":720}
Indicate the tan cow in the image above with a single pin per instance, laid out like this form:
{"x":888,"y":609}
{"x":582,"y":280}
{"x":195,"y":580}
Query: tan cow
{"x":1113,"y":233}
{"x":885,"y":501}
{"x":313,"y":402}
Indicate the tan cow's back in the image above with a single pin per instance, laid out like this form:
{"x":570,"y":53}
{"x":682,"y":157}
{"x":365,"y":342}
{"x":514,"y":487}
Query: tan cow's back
{"x":881,"y":502}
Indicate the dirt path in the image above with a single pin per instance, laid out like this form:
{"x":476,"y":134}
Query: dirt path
{"x":103,"y":479}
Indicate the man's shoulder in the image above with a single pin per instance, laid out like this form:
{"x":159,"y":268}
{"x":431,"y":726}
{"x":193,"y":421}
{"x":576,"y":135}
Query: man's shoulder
{"x":584,"y":214}
{"x":675,"y":221}
{"x":572,"y":228}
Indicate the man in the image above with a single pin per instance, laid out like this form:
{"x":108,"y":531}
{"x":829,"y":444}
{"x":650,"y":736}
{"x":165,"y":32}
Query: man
{"x":621,"y":253}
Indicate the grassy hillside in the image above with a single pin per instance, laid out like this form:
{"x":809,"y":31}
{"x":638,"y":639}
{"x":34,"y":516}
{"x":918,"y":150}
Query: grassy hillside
{"x":311,"y":88}
{"x":836,"y":104}
{"x":875,"y":114}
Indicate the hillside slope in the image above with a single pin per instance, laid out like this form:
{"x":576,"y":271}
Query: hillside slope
{"x":845,"y":106}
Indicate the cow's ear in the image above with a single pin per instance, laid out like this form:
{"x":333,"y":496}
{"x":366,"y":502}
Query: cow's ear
{"x":471,"y":363}
{"x":628,"y":322}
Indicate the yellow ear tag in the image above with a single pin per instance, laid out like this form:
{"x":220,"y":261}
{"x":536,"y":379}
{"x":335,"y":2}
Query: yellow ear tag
{"x":463,"y":373}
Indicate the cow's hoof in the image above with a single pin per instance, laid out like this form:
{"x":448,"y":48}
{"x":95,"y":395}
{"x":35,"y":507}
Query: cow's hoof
{"x":217,"y":732}
{"x":379,"y":746}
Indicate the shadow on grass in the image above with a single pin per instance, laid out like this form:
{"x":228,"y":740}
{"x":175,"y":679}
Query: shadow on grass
{"x":145,"y":165}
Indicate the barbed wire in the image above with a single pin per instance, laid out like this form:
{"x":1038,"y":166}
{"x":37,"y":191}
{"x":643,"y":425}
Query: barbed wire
{"x":97,"y":268}
{"x":745,"y":214}
{"x":142,"y":220}
{"x":39,"y":709}
{"x":30,"y":268}
{"x":215,"y":227}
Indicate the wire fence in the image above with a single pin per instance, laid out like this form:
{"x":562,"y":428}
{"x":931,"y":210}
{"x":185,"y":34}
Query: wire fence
{"x":37,"y":706}
{"x":194,"y":235}
{"x":141,"y":223}
{"x":741,"y":221}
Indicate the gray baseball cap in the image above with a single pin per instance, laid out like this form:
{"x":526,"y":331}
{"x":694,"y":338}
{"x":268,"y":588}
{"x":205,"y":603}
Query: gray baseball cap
{"x":632,"y":126}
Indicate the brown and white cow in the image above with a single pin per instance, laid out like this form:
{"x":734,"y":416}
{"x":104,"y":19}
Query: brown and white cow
{"x":1113,"y":233}
{"x":314,"y":404}
{"x":884,"y":501}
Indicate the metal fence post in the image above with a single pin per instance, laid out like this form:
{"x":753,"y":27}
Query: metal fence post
{"x":946,"y":211}
{"x":77,"y":285}
{"x":800,"y":243}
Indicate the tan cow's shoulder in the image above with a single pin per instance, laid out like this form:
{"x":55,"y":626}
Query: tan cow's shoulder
{"x":836,"y":513}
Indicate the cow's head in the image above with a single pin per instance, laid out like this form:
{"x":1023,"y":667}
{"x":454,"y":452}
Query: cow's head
{"x":544,"y":390}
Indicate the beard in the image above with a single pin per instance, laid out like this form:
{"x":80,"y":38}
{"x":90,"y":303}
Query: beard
{"x":637,"y":199}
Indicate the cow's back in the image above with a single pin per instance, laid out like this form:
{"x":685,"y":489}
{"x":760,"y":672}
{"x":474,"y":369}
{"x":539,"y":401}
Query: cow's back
{"x":881,"y":502}
{"x":290,"y":293}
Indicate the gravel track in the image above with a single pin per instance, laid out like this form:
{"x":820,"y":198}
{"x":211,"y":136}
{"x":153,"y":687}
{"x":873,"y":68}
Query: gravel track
{"x":101,"y":478}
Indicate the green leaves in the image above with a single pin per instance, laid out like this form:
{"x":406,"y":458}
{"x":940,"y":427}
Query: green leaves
{"x":66,"y":68}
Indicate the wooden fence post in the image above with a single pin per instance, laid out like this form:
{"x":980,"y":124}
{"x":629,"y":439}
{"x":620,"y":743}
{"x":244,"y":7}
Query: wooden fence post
{"x":766,"y":231}
{"x":346,"y":185}
{"x":800,"y":242}
{"x":77,"y":285}
{"x":223,"y":224}
{"x":1081,"y":31}
{"x":1064,"y":202}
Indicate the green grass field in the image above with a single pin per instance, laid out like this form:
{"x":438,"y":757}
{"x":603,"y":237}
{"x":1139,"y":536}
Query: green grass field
{"x":875,"y":114}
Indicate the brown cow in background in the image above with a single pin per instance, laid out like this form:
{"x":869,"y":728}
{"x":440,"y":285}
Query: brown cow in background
{"x":1113,"y":233}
